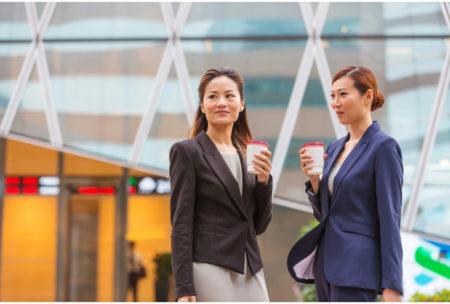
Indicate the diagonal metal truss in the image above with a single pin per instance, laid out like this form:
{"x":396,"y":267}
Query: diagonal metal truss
{"x":35,"y":56}
{"x":313,"y":53}
{"x":430,"y":136}
{"x":173,"y":53}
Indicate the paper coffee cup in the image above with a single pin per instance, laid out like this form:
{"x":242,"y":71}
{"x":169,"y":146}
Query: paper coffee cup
{"x":254,"y":147}
{"x":316,"y":150}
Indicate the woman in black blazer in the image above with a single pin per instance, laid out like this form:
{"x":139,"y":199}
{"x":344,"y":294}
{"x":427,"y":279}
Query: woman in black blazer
{"x":217,"y":208}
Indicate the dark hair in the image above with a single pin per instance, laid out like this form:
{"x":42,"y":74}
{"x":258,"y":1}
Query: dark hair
{"x":241,"y":131}
{"x":364,"y":79}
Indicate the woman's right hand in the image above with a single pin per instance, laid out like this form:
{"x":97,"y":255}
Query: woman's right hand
{"x":305,"y":163}
{"x":187,"y":299}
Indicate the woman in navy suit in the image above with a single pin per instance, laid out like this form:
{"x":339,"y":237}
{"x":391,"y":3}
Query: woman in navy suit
{"x":217,"y":208}
{"x":355,"y":252}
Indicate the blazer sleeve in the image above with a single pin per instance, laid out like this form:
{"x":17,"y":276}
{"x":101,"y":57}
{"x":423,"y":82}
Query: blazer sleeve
{"x":263,"y":209}
{"x":389,"y":181}
{"x":314,"y":199}
{"x":183,"y":184}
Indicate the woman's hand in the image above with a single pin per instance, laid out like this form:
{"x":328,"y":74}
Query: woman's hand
{"x":305,"y":163}
{"x":390,"y":295}
{"x":263,"y":166}
{"x":187,"y":299}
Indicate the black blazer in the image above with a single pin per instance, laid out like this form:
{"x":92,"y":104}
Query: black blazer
{"x":211,"y":221}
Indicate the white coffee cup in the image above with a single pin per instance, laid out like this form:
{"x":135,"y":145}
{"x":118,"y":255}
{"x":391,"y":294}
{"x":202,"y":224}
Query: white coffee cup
{"x":254,"y":147}
{"x":316,"y":150}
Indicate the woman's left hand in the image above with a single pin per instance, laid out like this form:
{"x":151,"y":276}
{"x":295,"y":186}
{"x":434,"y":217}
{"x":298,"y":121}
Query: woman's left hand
{"x":263,"y":166}
{"x":390,"y":295}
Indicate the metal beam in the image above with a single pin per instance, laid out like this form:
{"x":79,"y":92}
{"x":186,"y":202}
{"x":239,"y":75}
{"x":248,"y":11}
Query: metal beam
{"x":323,"y":67}
{"x":24,"y":75}
{"x":428,"y":144}
{"x":292,"y":205}
{"x":50,"y":110}
{"x":292,"y":113}
{"x":152,"y":104}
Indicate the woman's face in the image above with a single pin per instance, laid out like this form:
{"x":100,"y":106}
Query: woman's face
{"x":348,"y":103}
{"x":222,"y":101}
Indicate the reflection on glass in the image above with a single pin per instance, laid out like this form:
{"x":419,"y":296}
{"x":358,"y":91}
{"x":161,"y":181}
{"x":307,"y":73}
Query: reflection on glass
{"x":385,"y":18}
{"x":13,"y":21}
{"x":100,"y":94}
{"x":434,"y":206}
{"x":268,"y":83}
{"x":407,"y":74}
{"x":169,"y":125}
{"x":244,"y":19}
{"x":11,"y":60}
{"x":282,"y":232}
{"x":313,"y":124}
{"x":106,"y":20}
{"x":30,"y":119}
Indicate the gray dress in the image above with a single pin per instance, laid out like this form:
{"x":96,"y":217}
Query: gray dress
{"x":218,"y":284}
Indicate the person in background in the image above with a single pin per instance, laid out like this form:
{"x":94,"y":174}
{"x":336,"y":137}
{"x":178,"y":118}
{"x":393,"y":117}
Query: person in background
{"x":217,"y":207}
{"x":356,"y":251}
{"x":134,"y":261}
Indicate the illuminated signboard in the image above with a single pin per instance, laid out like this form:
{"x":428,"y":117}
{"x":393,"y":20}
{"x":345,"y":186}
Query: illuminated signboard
{"x":32,"y":185}
{"x":148,"y":185}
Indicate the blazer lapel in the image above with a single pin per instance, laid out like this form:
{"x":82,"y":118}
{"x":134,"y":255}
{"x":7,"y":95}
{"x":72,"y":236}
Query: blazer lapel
{"x":353,"y":157}
{"x":220,"y":168}
{"x":326,"y":172}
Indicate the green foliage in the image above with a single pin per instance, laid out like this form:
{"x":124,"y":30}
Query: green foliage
{"x":309,"y":293}
{"x":440,"y":296}
{"x":308,"y":290}
{"x":307,"y":228}
{"x":163,"y":265}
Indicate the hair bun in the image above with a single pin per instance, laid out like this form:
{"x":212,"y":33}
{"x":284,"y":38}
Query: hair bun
{"x":378,"y":101}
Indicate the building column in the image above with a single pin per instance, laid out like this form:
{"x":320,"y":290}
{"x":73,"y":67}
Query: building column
{"x":2,"y":197}
{"x":120,"y":269}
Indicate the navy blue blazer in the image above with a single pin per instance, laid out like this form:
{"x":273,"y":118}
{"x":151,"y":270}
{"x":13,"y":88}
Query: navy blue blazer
{"x":360,"y":223}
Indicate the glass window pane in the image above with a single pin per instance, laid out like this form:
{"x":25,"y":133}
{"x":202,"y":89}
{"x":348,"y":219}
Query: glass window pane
{"x":106,"y":20}
{"x":407,"y":72}
{"x":385,"y":18}
{"x":268,"y":83}
{"x":101,"y":91}
{"x":291,"y":185}
{"x":244,"y":19}
{"x":11,"y":60}
{"x":282,"y":232}
{"x":433,"y":215}
{"x":30,"y":119}
{"x":13,"y":22}
{"x":169,"y":125}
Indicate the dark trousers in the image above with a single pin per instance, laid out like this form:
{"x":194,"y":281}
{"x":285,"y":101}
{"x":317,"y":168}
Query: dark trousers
{"x":132,"y":284}
{"x":327,"y":292}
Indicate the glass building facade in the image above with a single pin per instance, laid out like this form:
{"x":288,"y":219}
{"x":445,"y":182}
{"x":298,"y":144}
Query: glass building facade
{"x":117,"y":82}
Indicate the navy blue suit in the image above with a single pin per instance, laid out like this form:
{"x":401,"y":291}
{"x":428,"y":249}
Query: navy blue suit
{"x":359,"y":232}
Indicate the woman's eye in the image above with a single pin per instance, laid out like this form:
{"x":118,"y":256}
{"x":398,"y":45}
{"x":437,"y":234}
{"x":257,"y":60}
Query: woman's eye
{"x":230,"y":95}
{"x":332,"y":96}
{"x":212,"y":96}
{"x":343,"y":93}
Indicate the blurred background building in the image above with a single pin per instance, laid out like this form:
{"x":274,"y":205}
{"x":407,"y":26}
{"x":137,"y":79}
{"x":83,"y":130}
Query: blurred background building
{"x":93,"y":95}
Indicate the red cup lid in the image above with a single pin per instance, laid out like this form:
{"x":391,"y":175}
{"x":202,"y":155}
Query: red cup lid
{"x":257,"y":142}
{"x":314,"y":143}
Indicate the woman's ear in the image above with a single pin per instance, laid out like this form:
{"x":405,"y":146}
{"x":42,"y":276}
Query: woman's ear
{"x":202,"y":109}
{"x":242,"y":105}
{"x":369,"y":97}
